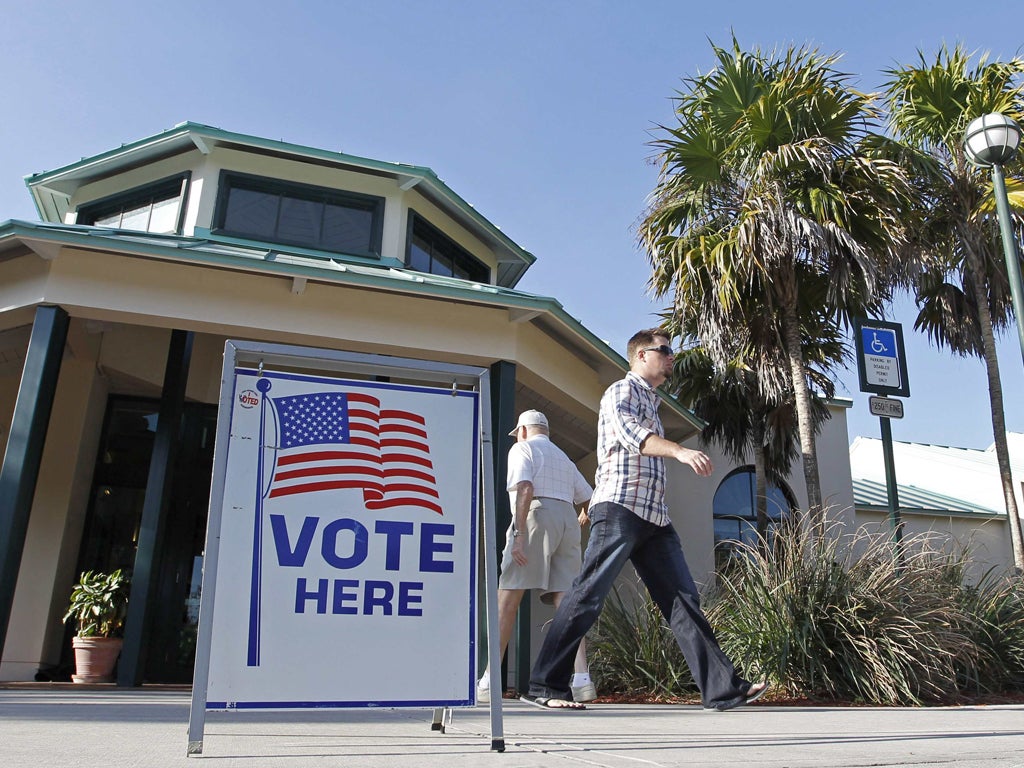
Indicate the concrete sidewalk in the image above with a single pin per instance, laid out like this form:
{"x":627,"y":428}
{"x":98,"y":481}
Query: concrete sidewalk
{"x":140,"y":727}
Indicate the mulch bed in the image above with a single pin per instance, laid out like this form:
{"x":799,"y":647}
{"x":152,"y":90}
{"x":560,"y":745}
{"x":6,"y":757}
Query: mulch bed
{"x":781,"y":700}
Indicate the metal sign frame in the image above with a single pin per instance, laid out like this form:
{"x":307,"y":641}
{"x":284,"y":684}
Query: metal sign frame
{"x":864,"y":365}
{"x":332,"y":363}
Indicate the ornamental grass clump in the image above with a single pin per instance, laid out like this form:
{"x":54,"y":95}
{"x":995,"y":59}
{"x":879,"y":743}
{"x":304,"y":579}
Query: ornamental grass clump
{"x":632,"y":650}
{"x":831,"y":616}
{"x":845,"y":617}
{"x":995,"y":606}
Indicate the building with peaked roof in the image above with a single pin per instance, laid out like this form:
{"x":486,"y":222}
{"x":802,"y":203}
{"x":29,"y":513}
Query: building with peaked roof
{"x":954,"y":492}
{"x":114,"y":311}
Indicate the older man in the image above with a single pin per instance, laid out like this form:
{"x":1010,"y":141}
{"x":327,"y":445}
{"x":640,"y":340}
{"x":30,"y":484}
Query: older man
{"x":542,"y":545}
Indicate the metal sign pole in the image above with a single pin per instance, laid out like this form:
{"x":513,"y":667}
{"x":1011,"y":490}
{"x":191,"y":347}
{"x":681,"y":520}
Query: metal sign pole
{"x":895,"y":522}
{"x":491,"y":564}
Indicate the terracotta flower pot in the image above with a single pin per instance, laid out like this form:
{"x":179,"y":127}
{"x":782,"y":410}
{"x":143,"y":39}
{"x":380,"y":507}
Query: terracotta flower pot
{"x":95,"y":658}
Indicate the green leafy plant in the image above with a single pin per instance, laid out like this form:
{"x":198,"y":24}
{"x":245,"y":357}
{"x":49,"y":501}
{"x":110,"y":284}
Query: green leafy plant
{"x":99,"y":603}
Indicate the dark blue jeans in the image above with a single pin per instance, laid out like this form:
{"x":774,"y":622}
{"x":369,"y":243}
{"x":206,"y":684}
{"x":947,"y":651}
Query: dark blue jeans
{"x":618,"y":535}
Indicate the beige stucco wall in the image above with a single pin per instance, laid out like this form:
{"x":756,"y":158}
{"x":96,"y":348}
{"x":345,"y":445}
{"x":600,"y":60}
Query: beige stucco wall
{"x":987,"y":540}
{"x":230,"y":304}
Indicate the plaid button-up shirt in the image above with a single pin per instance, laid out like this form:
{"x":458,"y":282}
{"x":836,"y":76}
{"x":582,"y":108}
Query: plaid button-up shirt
{"x":628,"y":416}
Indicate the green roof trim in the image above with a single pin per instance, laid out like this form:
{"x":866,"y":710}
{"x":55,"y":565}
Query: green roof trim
{"x":281,"y":261}
{"x":871,"y":494}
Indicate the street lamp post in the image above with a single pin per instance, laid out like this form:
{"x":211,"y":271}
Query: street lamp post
{"x":991,"y":142}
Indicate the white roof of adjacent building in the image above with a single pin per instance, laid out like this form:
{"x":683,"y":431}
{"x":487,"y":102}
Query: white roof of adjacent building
{"x":941,"y":476}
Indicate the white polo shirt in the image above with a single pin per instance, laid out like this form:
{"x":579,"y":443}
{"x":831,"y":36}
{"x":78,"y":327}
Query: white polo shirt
{"x":552,"y":473}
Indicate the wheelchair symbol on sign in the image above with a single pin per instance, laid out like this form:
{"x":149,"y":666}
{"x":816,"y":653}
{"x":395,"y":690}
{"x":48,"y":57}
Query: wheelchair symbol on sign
{"x":877,"y":345}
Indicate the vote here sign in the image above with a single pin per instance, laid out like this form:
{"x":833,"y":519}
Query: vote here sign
{"x":346,"y":565}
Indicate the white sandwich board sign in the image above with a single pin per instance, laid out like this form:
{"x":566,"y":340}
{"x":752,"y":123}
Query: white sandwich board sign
{"x":341,"y":561}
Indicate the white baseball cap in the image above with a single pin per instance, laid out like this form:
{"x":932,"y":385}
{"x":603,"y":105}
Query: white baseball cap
{"x":530,"y":419}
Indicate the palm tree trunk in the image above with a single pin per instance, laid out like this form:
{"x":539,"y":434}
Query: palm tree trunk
{"x":760,"y":481}
{"x":791,"y":331}
{"x":995,"y":394}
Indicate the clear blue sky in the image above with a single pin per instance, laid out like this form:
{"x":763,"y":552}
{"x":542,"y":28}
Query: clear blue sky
{"x":538,"y":113}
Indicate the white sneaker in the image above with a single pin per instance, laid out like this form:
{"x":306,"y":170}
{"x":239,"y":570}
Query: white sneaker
{"x":483,"y":693}
{"x":585,"y":692}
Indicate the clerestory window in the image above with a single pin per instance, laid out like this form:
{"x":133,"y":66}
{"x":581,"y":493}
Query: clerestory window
{"x":429,"y":250}
{"x":321,"y":218}
{"x":157,"y":208}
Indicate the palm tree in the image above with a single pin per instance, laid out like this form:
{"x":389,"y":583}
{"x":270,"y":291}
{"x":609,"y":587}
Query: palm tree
{"x":962,"y":290}
{"x":765,"y":181}
{"x":743,"y":417}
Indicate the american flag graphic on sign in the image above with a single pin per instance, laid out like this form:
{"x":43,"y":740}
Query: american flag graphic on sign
{"x":332,"y":440}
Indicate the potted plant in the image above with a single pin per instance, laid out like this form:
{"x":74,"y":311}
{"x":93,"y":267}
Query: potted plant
{"x":99,"y":603}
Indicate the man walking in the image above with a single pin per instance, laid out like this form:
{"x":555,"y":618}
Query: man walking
{"x":542,"y":546}
{"x":629,"y":521}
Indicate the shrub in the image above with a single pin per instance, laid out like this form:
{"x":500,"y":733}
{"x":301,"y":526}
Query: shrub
{"x":844,"y":616}
{"x":996,"y":627}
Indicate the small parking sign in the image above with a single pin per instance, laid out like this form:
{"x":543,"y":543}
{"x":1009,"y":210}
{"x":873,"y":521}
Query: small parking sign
{"x":881,"y":361}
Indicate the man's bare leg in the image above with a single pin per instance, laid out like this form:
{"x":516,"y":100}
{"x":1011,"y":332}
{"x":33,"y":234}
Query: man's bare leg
{"x":508,"y":607}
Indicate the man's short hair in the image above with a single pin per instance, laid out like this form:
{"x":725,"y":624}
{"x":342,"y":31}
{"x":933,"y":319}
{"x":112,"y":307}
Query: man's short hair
{"x":641,"y":339}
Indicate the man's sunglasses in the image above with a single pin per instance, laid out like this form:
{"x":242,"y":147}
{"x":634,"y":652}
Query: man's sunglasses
{"x":665,"y":349}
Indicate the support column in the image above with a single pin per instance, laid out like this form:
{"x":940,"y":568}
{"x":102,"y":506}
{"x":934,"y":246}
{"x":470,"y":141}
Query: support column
{"x":503,"y":419}
{"x":146,"y":571}
{"x":20,"y":469}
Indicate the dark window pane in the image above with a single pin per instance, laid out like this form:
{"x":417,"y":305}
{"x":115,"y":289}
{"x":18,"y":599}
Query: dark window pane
{"x":300,"y":221}
{"x":113,"y":220}
{"x":734,"y":496}
{"x":251,"y":212}
{"x":778,"y":504}
{"x":300,"y":214}
{"x":419,"y":259}
{"x":349,"y":230}
{"x":164,"y":217}
{"x":748,"y":532}
{"x":441,"y":265}
{"x":735,"y":515}
{"x":136,"y":218}
{"x":446,"y":257}
{"x":726,"y":529}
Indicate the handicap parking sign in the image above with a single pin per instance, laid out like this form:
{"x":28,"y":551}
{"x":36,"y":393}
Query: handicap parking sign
{"x":881,"y":364}
{"x":880,"y":358}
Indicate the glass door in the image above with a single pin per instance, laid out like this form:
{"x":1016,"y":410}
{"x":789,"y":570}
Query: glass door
{"x":110,"y":536}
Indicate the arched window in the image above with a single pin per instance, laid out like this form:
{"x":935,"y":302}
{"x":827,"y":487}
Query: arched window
{"x":735,"y":512}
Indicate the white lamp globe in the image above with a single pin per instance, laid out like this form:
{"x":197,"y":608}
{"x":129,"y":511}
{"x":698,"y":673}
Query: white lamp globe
{"x":991,"y":140}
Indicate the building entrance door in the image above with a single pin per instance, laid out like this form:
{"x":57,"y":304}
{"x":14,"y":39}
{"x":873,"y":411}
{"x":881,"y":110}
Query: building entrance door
{"x":111,"y":530}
